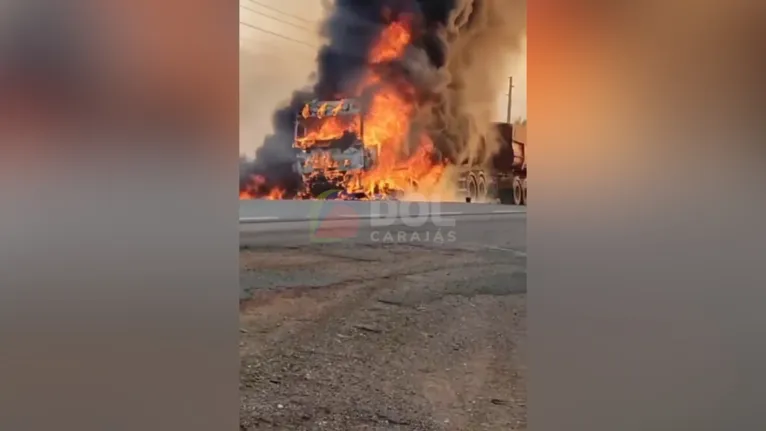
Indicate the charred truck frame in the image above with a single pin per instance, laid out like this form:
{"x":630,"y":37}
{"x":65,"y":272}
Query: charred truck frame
{"x":335,"y":163}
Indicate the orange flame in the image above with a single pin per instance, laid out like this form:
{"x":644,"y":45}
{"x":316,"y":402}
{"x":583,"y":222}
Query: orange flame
{"x":392,"y":42}
{"x":256,"y":189}
{"x":327,"y":129}
{"x":322,"y":110}
{"x":387,"y":124}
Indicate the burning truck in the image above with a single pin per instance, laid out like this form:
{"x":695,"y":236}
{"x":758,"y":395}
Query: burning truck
{"x":341,"y":161}
{"x":401,"y":109}
{"x":335,"y":161}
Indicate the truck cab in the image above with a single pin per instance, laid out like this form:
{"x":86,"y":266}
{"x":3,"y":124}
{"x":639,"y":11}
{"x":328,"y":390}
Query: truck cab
{"x":329,"y":143}
{"x":328,"y":136}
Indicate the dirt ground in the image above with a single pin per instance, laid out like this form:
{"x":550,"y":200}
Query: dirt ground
{"x":382,"y":337}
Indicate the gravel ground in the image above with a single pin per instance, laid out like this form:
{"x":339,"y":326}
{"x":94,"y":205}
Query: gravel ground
{"x":382,"y":337}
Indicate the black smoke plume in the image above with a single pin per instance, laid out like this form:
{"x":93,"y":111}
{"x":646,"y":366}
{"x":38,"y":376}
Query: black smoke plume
{"x":456,"y":44}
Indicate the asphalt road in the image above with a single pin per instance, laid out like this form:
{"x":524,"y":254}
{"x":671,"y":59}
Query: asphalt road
{"x":356,"y":324}
{"x":498,"y":231}
{"x":259,"y":211}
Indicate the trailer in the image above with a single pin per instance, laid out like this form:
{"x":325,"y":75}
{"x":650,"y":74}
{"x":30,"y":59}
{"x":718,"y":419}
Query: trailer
{"x":505,"y":177}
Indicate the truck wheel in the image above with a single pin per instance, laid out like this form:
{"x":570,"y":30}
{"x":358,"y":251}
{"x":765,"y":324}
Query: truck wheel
{"x":524,"y":191}
{"x":505,"y":196}
{"x":473,"y":188}
{"x":518,"y":191}
{"x":481,"y":188}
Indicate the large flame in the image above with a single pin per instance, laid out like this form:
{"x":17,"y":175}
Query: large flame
{"x":393,"y":42}
{"x":256,"y":188}
{"x":327,"y":129}
{"x":388,"y":121}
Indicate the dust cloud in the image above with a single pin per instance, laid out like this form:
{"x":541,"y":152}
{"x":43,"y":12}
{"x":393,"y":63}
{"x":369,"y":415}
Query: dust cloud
{"x":483,"y":40}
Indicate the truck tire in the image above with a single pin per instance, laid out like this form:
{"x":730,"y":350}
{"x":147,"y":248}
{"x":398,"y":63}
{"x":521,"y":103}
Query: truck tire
{"x":481,"y":188}
{"x":505,"y":196}
{"x":473,"y":187}
{"x":518,"y":191}
{"x":524,"y":191}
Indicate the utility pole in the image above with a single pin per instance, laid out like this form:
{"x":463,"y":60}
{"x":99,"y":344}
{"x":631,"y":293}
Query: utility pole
{"x":510,"y":98}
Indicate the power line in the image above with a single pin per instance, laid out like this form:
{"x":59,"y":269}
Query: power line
{"x":265,"y":6}
{"x":258,"y":46}
{"x":275,"y":18}
{"x":278,"y":35}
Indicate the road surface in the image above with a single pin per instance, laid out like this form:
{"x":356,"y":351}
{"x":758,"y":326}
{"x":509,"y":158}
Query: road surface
{"x":255,"y":211}
{"x":348,"y":325}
